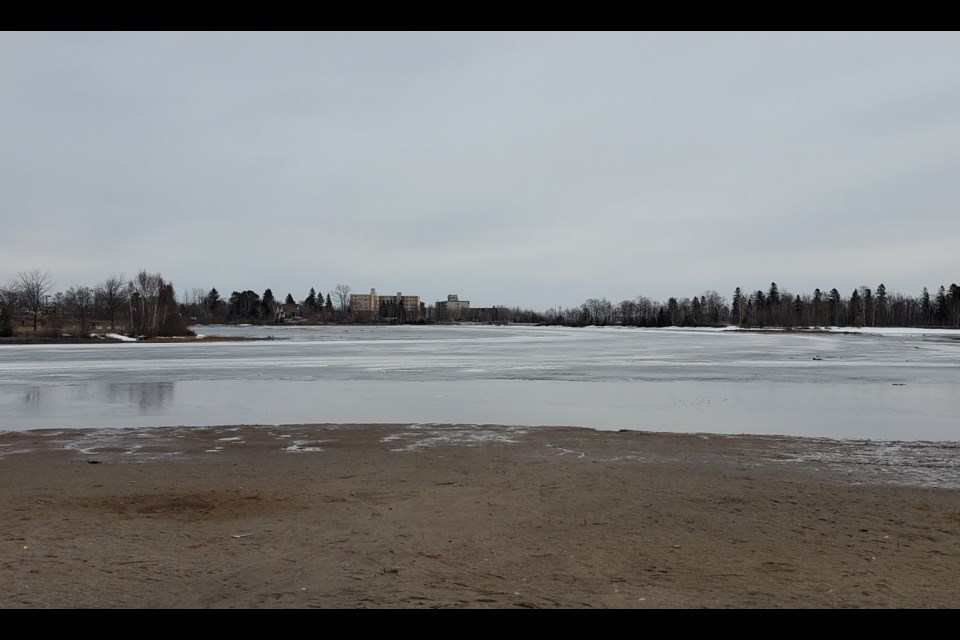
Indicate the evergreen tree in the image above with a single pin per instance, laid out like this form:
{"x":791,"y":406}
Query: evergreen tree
{"x":818,"y":308}
{"x":738,"y":309}
{"x":940,"y":310}
{"x":268,"y":305}
{"x":311,"y":301}
{"x":798,"y":310}
{"x":881,"y":304}
{"x":329,"y":303}
{"x":759,"y":307}
{"x":856,"y":309}
{"x":868,"y":307}
{"x":925,"y":307}
{"x":773,"y":296}
{"x":833,"y":308}
{"x":289,"y":299}
{"x":672,"y":308}
{"x":773,"y":303}
{"x":244,"y":304}
{"x":953,"y":301}
{"x":212,"y":300}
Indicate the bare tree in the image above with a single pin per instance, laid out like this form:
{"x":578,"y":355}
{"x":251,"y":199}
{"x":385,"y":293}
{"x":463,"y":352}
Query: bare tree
{"x":78,"y":302}
{"x":144,"y":292}
{"x":343,"y":295}
{"x":627,"y":311}
{"x":8,"y":303}
{"x":113,"y":294}
{"x":194,"y":301}
{"x":646,"y":310}
{"x":600,"y":311}
{"x":716,"y":310}
{"x":32,"y":288}
{"x":6,"y":322}
{"x":153,"y":306}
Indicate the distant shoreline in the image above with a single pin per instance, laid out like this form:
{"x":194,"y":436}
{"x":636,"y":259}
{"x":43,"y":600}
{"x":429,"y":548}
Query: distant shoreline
{"x":101,"y":338}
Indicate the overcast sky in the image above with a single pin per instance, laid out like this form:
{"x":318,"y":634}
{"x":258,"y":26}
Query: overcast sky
{"x":528,"y":169}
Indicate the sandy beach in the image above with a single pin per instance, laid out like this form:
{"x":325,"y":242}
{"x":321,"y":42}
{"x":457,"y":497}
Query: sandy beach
{"x":472,"y":517}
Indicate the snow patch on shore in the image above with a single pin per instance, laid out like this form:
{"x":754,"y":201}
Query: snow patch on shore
{"x":467,"y":436}
{"x":919,"y":463}
{"x":119,"y":338}
{"x":300,"y":446}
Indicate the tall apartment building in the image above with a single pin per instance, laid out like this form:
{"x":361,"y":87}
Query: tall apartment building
{"x":373,"y":307}
{"x":452,"y":309}
{"x":365,"y":306}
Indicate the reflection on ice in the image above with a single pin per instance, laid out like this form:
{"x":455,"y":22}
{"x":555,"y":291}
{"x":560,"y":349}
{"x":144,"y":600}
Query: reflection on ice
{"x":897,"y":387}
{"x":148,"y":397}
{"x":32,"y":397}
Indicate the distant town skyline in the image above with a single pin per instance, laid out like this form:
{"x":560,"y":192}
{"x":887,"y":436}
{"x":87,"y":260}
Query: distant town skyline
{"x":527,"y":169}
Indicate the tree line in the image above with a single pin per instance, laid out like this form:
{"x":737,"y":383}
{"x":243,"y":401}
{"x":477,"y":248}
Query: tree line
{"x":147,"y":306}
{"x":250,"y":307}
{"x":773,"y":307}
{"x":143,"y":306}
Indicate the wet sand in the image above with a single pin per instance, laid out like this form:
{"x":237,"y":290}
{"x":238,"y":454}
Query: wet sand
{"x":470,"y":517}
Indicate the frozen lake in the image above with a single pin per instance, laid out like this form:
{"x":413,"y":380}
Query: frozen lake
{"x":880,"y":387}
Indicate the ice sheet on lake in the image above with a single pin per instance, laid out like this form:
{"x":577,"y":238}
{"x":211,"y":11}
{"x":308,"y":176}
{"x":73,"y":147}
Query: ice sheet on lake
{"x":867,"y":386}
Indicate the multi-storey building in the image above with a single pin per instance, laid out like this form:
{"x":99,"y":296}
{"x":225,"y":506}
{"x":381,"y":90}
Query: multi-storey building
{"x":374,"y":307}
{"x":452,"y":309}
{"x":365,"y":306}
